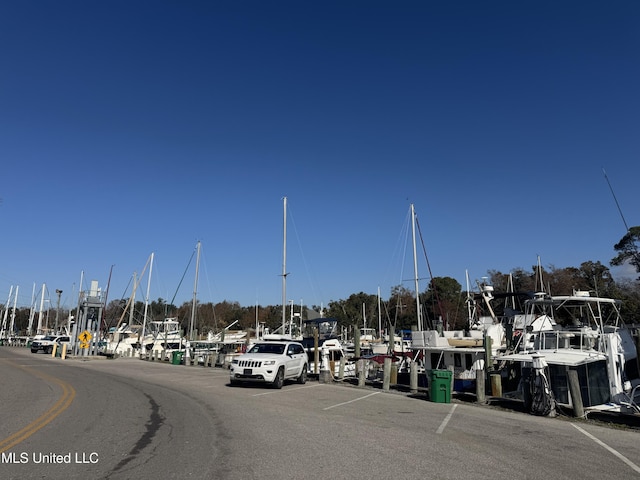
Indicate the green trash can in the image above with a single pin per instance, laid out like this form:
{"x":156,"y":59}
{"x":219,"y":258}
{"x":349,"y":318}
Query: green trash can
{"x":176,"y":357}
{"x":440,"y":386}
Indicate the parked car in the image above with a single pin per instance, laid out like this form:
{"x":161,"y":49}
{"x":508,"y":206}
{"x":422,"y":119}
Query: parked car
{"x":46,"y":344}
{"x":272,"y":363}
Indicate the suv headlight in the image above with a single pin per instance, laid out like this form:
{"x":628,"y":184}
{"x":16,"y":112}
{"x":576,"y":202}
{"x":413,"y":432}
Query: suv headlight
{"x":234,"y":362}
{"x":269,"y":362}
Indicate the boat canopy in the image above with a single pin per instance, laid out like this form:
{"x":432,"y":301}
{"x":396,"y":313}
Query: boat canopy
{"x":557,"y":357}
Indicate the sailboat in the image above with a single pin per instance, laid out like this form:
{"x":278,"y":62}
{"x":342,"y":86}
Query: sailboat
{"x":330,"y":348}
{"x":167,"y":333}
{"x":460,"y":351}
{"x":4,"y":333}
{"x":286,"y":330}
{"x":128,"y":338}
{"x":464,"y":351}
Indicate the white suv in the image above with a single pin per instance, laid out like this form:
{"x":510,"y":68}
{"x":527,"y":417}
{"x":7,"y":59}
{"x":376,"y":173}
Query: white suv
{"x":271,"y":362}
{"x":46,"y":344}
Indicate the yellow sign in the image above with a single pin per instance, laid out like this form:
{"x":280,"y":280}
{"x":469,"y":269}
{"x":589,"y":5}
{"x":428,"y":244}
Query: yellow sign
{"x":84,"y":345}
{"x":85,"y":337}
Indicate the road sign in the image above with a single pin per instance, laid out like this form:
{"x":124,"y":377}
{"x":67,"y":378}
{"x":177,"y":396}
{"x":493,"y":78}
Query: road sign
{"x":85,"y":337}
{"x":84,"y":345}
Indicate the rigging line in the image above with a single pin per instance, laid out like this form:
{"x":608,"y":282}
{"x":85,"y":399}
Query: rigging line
{"x":386,"y":311}
{"x":209,"y":282}
{"x":406,"y":231}
{"x":183,"y":275}
{"x":131,"y":301}
{"x":126,"y":288}
{"x":203,"y":263}
{"x":106,"y":297}
{"x":616,"y":200}
{"x":206,"y":274}
{"x":635,"y":253}
{"x":435,"y":290}
{"x":115,"y":314}
{"x":304,"y":260}
{"x":395,"y":259}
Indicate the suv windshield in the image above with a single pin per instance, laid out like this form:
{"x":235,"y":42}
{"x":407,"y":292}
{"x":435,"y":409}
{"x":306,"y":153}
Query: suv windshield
{"x":273,"y":348}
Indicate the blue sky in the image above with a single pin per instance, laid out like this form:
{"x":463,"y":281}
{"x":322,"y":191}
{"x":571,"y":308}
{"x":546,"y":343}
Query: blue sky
{"x":132,"y":127}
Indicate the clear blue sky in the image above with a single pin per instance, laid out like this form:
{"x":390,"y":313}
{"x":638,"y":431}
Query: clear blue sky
{"x":132,"y":127}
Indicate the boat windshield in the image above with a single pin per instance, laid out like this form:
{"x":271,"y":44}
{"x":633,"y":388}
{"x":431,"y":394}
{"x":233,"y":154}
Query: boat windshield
{"x":325,"y":327}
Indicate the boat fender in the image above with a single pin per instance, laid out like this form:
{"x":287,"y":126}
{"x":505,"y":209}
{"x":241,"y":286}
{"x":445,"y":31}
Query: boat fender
{"x":542,"y":399}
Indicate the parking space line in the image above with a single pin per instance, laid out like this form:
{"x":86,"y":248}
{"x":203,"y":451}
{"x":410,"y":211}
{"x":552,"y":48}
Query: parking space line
{"x":446,"y":419}
{"x":612,"y":450}
{"x":351,"y":401}
{"x":285,"y":390}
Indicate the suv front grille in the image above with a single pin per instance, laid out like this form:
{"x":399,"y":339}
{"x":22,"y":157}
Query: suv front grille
{"x":250,"y":363}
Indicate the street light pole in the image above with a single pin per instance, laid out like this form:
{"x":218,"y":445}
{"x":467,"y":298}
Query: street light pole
{"x":59,"y":292}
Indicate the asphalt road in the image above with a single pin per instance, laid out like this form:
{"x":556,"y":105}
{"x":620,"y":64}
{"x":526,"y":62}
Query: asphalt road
{"x":131,"y":419}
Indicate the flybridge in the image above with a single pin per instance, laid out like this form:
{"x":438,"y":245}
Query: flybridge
{"x":565,"y":351}
{"x":585,"y":355}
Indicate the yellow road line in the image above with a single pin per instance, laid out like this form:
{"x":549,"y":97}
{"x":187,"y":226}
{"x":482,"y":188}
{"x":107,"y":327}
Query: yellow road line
{"x":68,"y":394}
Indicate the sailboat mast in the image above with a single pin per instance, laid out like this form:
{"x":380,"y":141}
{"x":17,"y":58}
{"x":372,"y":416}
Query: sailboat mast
{"x":470,"y":302}
{"x":379,"y":316}
{"x":415,"y":267}
{"x":195,"y":295}
{"x":13,"y":312}
{"x":75,"y":324}
{"x":6,"y":312}
{"x":284,"y":265}
{"x":41,"y":313}
{"x":539,"y":278}
{"x":146,"y":309}
{"x":132,"y":300}
{"x":511,"y":289}
{"x":364,"y":317}
{"x":257,"y":323}
{"x":31,"y":310}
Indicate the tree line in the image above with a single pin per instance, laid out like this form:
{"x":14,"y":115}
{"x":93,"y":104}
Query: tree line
{"x":443,"y":302}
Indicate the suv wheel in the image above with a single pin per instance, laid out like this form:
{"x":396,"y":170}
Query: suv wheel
{"x":279,"y":380}
{"x":49,"y":350}
{"x":302,"y":379}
